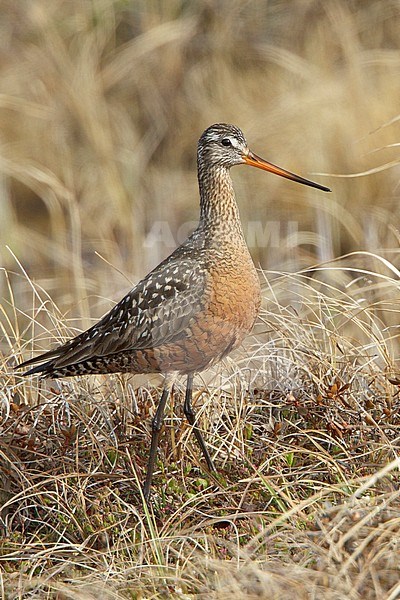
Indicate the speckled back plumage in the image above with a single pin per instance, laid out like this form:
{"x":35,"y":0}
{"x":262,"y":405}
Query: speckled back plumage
{"x":195,"y":306}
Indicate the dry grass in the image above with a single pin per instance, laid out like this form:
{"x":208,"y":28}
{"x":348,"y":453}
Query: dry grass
{"x":100,"y":107}
{"x":303,"y":426}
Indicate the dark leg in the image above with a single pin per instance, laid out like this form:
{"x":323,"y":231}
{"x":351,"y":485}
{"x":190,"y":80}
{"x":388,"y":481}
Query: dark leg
{"x":191,"y":417}
{"x":156,"y":426}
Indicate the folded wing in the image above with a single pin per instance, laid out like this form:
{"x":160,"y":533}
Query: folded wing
{"x":158,"y":310}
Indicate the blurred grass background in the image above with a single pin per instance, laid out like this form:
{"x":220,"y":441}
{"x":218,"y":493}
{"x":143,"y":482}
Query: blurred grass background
{"x":102,"y":103}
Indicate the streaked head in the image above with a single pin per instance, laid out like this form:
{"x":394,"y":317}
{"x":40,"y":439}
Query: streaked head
{"x":225,"y":145}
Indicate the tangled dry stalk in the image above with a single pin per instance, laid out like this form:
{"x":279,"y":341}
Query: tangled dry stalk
{"x":303,"y":427}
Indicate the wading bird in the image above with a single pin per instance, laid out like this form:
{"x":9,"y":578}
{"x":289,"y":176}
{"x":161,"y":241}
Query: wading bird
{"x":194,"y":308}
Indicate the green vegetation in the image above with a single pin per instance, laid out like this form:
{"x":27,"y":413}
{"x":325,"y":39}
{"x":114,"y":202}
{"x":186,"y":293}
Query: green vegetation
{"x":101,"y":104}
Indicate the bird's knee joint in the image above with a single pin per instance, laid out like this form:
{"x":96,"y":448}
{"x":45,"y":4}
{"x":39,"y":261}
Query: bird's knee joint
{"x":189,"y":412}
{"x":156,"y":424}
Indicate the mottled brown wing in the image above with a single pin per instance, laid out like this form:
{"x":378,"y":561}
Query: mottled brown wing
{"x":156,"y":311}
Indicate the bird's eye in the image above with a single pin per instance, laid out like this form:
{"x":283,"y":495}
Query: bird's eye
{"x":226,"y":142}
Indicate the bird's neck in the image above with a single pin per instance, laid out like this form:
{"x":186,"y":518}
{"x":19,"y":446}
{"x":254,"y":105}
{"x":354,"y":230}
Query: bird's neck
{"x":218,"y":207}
